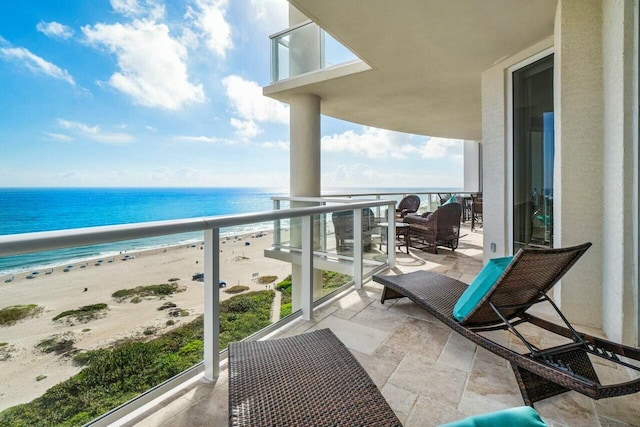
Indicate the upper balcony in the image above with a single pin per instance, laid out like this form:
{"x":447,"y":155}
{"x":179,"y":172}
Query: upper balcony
{"x":305,"y":48}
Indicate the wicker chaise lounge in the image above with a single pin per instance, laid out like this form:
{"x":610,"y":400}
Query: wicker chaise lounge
{"x":541,"y":372}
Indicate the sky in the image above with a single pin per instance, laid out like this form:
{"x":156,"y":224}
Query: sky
{"x":152,"y":93}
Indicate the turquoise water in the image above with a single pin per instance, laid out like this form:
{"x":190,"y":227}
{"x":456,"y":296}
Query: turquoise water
{"x":25,"y":210}
{"x":37,"y":209}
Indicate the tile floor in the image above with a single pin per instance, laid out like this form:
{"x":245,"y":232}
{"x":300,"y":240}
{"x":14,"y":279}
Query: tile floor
{"x":428,"y":374}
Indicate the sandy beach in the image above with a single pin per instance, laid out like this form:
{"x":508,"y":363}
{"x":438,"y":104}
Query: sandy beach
{"x":94,"y":282}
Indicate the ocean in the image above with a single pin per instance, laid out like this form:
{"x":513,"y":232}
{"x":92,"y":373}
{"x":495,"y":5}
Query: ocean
{"x":25,"y":210}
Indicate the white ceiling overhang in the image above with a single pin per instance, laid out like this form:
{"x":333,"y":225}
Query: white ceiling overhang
{"x":425,"y":57}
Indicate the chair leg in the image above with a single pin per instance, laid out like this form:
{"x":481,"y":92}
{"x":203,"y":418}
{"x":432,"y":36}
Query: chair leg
{"x":388,"y":293}
{"x":534,"y":388}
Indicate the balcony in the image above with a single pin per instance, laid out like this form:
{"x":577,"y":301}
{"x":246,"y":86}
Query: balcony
{"x":427,"y":373}
{"x":303,"y":49}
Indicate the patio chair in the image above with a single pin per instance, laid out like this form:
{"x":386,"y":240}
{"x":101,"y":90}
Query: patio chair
{"x":440,"y":228}
{"x":476,"y":210}
{"x":511,"y":287}
{"x":407,"y":205}
{"x":343,"y":226}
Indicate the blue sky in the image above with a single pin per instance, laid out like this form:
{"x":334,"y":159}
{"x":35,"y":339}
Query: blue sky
{"x":138,"y":93}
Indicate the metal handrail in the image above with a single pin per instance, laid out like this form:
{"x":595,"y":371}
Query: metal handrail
{"x":16,"y":244}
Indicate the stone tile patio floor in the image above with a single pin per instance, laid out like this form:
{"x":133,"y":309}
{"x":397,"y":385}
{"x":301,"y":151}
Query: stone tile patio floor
{"x":428,"y":374}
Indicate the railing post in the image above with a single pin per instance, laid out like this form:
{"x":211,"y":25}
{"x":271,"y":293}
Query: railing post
{"x":357,"y":248}
{"x":277,"y":238}
{"x":211,"y":304}
{"x":307,"y":267}
{"x":391,"y":235}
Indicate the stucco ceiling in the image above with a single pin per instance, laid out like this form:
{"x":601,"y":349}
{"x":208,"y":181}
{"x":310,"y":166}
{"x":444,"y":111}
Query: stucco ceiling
{"x":426,"y":59}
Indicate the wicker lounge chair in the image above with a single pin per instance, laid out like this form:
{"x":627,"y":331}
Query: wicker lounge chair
{"x":440,"y":228}
{"x":305,"y":380}
{"x":407,"y":205}
{"x":343,"y":226}
{"x":542,"y":372}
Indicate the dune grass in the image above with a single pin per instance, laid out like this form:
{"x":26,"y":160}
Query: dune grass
{"x":162,"y":290}
{"x":84,"y":313}
{"x":13,"y":314}
{"x":112,"y":376}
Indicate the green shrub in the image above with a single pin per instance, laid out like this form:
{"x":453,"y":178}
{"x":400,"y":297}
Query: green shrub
{"x":173,"y":279}
{"x":113,"y":376}
{"x":164,"y":289}
{"x":170,"y":322}
{"x":264,"y":280}
{"x":285,"y":309}
{"x":136,"y":300}
{"x":11,"y":315}
{"x":332,"y":280}
{"x":285,"y":298}
{"x":84,"y":313}
{"x":40,"y":377}
{"x":236,"y":289}
{"x":58,"y":344}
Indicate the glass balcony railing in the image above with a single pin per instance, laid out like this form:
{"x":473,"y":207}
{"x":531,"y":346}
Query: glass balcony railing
{"x":305,"y":48}
{"x":105,"y":336}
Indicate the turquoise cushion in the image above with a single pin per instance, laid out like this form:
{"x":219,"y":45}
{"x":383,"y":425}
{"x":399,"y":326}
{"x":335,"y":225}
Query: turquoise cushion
{"x":452,"y":199}
{"x":482,"y":284}
{"x":523,"y":416}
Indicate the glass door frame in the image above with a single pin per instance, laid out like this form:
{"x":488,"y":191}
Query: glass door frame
{"x":509,"y":211}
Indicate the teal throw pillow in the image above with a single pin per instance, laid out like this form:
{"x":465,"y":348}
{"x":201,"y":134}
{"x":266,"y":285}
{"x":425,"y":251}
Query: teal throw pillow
{"x":452,"y":199}
{"x":482,"y":284}
{"x":523,"y":416}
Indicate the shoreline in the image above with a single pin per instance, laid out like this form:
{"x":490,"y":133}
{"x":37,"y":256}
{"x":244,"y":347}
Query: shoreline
{"x":44,"y":266}
{"x":240,"y":264}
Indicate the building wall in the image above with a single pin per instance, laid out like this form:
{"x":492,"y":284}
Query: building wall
{"x":472,"y":167}
{"x":596,"y":160}
{"x":619,"y":295}
{"x":495,"y":137}
{"x":578,"y":169}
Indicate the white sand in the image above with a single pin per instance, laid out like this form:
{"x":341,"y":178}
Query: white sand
{"x":60,"y":291}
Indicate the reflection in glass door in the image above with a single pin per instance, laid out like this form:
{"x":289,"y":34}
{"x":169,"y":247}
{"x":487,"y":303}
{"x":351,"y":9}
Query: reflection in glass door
{"x":533,"y":151}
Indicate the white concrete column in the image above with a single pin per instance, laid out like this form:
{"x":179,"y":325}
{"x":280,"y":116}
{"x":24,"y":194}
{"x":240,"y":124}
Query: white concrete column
{"x":578,"y":164}
{"x":304,"y":175}
{"x":472,"y":167}
{"x":619,"y":269}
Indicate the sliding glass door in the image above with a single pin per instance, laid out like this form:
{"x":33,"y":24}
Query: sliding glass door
{"x":533,"y":152}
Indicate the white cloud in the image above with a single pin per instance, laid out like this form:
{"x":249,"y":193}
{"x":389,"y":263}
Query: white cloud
{"x":273,"y":14}
{"x":132,"y":8}
{"x":54,"y":30}
{"x":94,"y":133}
{"x":371,"y":142}
{"x":58,"y":136}
{"x":281,"y":145}
{"x":436,"y":148}
{"x":380,"y":143}
{"x":208,"y":17}
{"x":152,"y":65}
{"x":251,"y":106}
{"x":202,"y":138}
{"x":35,"y":63}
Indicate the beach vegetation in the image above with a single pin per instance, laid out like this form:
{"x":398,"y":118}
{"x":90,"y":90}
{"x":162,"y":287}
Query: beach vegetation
{"x":173,"y":279}
{"x":236,"y":289}
{"x":6,"y":351}
{"x":136,"y":300}
{"x":170,"y":322}
{"x":332,"y":280}
{"x":84,"y":313}
{"x":112,"y":376}
{"x":12,"y":314}
{"x":40,"y":377}
{"x":167,"y":305}
{"x":178,"y":312}
{"x":265,"y":280}
{"x":58,"y":344}
{"x":150,"y":331}
{"x":86,"y":330}
{"x":285,"y":296}
{"x":161,"y":290}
